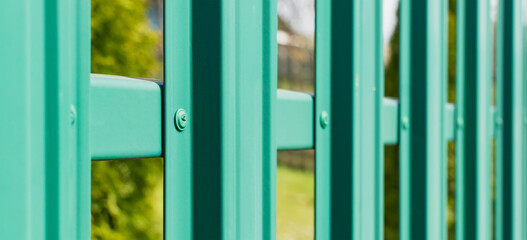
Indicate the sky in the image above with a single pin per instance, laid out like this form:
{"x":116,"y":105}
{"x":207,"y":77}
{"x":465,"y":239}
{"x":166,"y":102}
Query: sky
{"x":300,"y":14}
{"x":389,"y":18}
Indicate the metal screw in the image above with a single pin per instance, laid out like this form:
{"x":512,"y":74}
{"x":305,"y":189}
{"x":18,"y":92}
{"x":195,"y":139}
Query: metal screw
{"x":73,"y":115}
{"x":181,"y":119}
{"x":324,"y":119}
{"x":499,"y":122}
{"x":460,"y":122}
{"x":405,"y":123}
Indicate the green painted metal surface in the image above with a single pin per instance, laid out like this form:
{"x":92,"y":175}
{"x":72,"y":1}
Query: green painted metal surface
{"x":509,"y":116}
{"x":22,"y":138}
{"x":349,"y":163}
{"x":45,"y":167}
{"x":67,"y":68}
{"x":368,"y":80}
{"x":125,"y":118}
{"x":294,"y":130}
{"x":423,"y":141}
{"x":492,"y":122}
{"x":177,"y":146}
{"x":323,"y":164}
{"x":233,"y":47}
{"x":390,"y":121}
{"x":524,"y":134}
{"x":270,"y":117}
{"x":451,"y":122}
{"x":473,"y":166}
{"x":130,"y":127}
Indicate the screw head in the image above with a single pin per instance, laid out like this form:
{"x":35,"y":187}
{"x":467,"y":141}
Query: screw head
{"x":181,"y":119}
{"x":460,"y":122}
{"x":324,"y":119}
{"x":73,"y":115}
{"x":405,"y":123}
{"x":499,"y":122}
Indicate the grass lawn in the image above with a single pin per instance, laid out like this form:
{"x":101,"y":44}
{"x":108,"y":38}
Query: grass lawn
{"x":294,"y":204}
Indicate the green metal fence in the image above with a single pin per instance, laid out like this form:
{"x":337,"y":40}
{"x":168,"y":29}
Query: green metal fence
{"x":220,"y":158}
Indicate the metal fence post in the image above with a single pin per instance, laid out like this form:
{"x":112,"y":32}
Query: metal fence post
{"x":234,"y":86}
{"x":422,"y":139}
{"x":45,"y":164}
{"x":177,"y":149}
{"x":509,"y":120}
{"x":473,"y":166}
{"x":349,"y":151}
{"x":323,"y":164}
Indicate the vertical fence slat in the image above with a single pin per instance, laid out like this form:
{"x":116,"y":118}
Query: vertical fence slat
{"x":269,"y":116}
{"x":232,"y":140}
{"x":378,"y":98}
{"x":367,"y":94}
{"x":524,"y":108}
{"x":67,"y":68}
{"x":45,"y":162}
{"x":509,"y":222}
{"x":473,"y":184}
{"x":323,"y":65}
{"x":177,"y":149}
{"x":442,"y":70}
{"x":22,"y":109}
{"x":422,"y":149}
{"x":349,"y":153}
{"x":82,"y":99}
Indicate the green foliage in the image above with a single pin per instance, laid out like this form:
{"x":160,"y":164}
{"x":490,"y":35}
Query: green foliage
{"x":451,"y":56}
{"x":123,"y":41}
{"x":127,"y":199}
{"x":391,"y":71}
{"x":391,"y":192}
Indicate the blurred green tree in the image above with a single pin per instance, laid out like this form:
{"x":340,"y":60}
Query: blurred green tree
{"x":123,"y":39}
{"x":127,"y":199}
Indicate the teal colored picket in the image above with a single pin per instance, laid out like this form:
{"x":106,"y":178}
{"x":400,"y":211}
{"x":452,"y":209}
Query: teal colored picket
{"x":422,"y":115}
{"x":177,"y":146}
{"x":44,"y":115}
{"x":349,"y":85}
{"x":510,"y":224}
{"x":473,"y":140}
{"x":221,"y":69}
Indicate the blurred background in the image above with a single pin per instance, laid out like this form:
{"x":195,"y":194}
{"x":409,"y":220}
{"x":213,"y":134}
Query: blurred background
{"x":127,"y":195}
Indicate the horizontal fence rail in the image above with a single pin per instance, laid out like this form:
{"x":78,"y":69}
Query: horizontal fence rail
{"x":130,"y":127}
{"x":125,"y":118}
{"x":295,"y":128}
